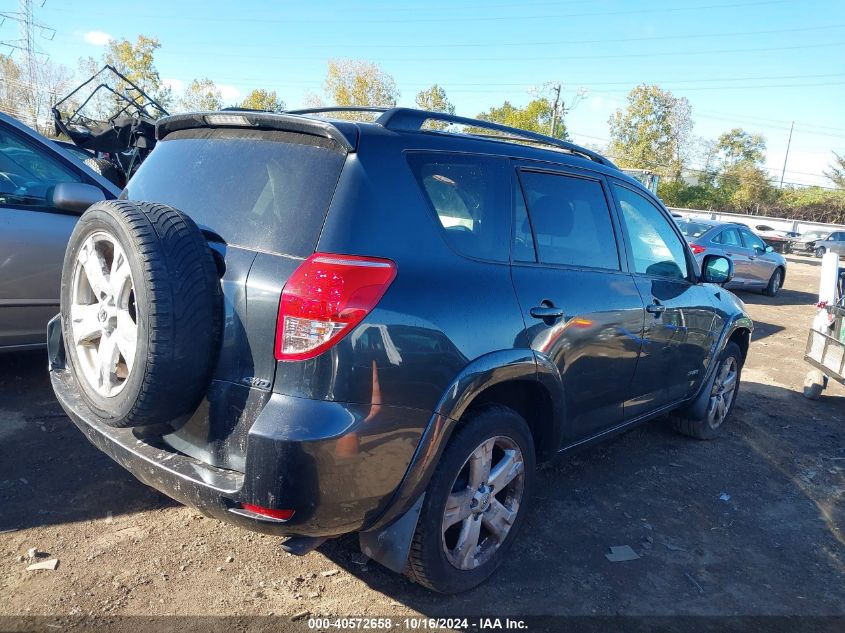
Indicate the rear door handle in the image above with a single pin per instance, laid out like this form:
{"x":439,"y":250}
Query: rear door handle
{"x":655,"y":309}
{"x":546,"y":312}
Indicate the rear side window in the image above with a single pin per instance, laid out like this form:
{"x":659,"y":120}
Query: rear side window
{"x":470,"y":196}
{"x":260,"y":190}
{"x":694,"y":229}
{"x":571,"y":220}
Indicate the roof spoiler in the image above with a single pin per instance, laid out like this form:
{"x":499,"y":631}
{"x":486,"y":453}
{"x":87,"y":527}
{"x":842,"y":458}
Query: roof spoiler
{"x":343,"y":133}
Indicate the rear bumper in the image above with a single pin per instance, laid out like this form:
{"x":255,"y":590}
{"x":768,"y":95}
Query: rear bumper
{"x":338,"y":466}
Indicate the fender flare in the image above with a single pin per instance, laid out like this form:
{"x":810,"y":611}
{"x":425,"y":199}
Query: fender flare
{"x":482,"y":373}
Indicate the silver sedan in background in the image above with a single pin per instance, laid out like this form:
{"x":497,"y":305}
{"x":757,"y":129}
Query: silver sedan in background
{"x":38,"y":180}
{"x":756,"y":265}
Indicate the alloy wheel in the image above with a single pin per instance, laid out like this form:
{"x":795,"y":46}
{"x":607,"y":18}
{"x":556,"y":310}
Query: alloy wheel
{"x":484,"y":503}
{"x":723,"y":392}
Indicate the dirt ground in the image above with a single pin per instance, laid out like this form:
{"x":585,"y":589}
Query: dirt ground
{"x":750,"y":524}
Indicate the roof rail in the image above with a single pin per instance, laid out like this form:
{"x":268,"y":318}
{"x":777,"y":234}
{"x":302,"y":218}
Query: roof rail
{"x":322,"y":110}
{"x":411,"y":120}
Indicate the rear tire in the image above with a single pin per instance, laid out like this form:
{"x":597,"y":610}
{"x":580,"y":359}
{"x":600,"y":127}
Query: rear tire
{"x":107,"y":170}
{"x":141,"y":309}
{"x":775,"y":282}
{"x":813,"y":385}
{"x":722,"y":399}
{"x":447,"y":559}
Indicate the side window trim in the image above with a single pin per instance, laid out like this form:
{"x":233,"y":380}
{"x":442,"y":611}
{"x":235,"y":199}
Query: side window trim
{"x":518,"y":193}
{"x":692,"y":267}
{"x":561,"y":170}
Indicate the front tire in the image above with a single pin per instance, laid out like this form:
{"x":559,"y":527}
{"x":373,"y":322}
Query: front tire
{"x":820,"y":251}
{"x":475,"y":503}
{"x":775,"y":282}
{"x":722,"y":399}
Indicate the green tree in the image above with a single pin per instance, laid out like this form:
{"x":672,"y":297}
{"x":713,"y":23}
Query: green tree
{"x":739,"y":146}
{"x":134,"y":60}
{"x":837,"y":171}
{"x":534,"y":117}
{"x":652,"y":132}
{"x":434,"y":100}
{"x":137,"y":62}
{"x":358,"y":83}
{"x":201,"y":95}
{"x":260,"y":99}
{"x":747,"y":186}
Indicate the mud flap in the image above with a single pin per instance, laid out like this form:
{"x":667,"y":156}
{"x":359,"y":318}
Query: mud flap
{"x":390,"y":546}
{"x":55,"y":343}
{"x":697,"y":409}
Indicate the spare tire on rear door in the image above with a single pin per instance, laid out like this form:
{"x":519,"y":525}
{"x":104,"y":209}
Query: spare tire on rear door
{"x":141,"y":309}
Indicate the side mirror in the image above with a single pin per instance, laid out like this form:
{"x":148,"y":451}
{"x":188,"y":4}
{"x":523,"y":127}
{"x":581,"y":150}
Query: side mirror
{"x":74,"y":196}
{"x":717,"y":269}
{"x":769,"y":249}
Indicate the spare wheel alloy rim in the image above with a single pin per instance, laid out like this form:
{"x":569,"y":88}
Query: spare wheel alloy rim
{"x":103,"y":314}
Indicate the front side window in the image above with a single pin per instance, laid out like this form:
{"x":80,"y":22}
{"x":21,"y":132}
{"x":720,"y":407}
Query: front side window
{"x":571,"y":220}
{"x":657,"y":249}
{"x":27,"y":172}
{"x":470,"y":196}
{"x":752,"y":241}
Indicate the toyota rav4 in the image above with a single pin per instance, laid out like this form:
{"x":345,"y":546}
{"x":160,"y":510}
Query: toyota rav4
{"x":310,"y":326}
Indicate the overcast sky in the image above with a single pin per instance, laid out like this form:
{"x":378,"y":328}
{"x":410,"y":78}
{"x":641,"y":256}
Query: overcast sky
{"x":756,"y":64}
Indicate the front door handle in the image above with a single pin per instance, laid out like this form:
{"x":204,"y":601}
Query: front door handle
{"x":655,"y":308}
{"x":546,"y":312}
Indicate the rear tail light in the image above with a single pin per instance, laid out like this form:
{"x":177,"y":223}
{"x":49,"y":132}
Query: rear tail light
{"x":696,"y":249}
{"x":325,"y":298}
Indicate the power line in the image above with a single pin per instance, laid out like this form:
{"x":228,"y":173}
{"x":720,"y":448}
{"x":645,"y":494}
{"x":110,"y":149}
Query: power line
{"x":194,"y":17}
{"x":558,"y":42}
{"x":673,"y":53}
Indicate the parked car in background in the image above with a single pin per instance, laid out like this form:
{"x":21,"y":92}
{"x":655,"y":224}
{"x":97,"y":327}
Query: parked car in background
{"x":805,"y":243}
{"x":833,"y":243}
{"x":312,"y":327}
{"x":756,"y":265}
{"x":779,"y":240}
{"x":36,"y":220}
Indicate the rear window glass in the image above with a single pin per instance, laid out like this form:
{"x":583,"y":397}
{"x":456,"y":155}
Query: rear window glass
{"x":470,"y":196}
{"x":260,"y":190}
{"x":694,"y":229}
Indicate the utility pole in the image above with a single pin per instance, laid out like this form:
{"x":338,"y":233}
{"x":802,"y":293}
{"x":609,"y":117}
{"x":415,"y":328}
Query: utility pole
{"x":28,"y":105}
{"x":26,"y":28}
{"x":785,"y":158}
{"x":556,"y":88}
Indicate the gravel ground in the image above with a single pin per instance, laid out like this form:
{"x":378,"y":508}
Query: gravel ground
{"x":750,"y":524}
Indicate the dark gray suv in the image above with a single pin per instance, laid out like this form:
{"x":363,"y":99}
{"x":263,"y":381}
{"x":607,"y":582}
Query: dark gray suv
{"x":310,"y":327}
